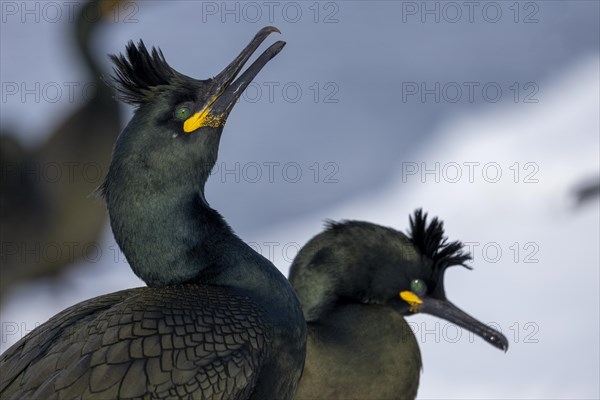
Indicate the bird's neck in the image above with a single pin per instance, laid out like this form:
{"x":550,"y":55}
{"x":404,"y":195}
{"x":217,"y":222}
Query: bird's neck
{"x":369,"y":351}
{"x":170,"y":240}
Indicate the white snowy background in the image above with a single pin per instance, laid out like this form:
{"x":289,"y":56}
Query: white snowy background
{"x":536,"y":254}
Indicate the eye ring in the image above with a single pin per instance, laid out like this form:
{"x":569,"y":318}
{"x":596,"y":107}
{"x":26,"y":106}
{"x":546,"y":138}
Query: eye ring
{"x":182,"y":113}
{"x":418,"y":287}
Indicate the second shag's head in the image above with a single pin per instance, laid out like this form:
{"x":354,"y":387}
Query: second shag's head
{"x":361,"y":262}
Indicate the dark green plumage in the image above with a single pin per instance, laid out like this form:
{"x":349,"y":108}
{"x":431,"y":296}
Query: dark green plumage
{"x":168,"y":342}
{"x":218,"y":320}
{"x":348,"y":279}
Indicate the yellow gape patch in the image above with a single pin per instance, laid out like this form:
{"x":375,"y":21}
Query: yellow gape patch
{"x":204,"y":118}
{"x":412,"y":299}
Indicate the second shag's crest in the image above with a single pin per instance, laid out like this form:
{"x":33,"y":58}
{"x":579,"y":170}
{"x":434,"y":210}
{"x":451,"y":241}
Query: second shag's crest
{"x":430,"y":240}
{"x":140,"y":73}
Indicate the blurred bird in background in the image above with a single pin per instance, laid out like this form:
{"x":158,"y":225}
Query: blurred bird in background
{"x":587,"y":191}
{"x":47,"y":220}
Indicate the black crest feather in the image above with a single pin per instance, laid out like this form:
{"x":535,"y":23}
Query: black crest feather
{"x":430,"y":240}
{"x":140,"y":73}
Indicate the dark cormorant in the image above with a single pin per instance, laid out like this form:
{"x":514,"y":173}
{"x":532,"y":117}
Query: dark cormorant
{"x":356,"y":281}
{"x":218,"y":320}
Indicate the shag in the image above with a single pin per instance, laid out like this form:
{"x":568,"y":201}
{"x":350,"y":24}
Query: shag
{"x":217,"y":320}
{"x":356,"y":282}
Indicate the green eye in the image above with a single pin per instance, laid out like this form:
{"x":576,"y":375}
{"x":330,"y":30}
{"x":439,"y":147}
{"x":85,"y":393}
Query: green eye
{"x":182,"y":113}
{"x":418,"y":287}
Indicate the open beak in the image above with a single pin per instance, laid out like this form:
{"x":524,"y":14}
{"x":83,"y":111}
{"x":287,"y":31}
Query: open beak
{"x":448,"y":311}
{"x":226,"y":90}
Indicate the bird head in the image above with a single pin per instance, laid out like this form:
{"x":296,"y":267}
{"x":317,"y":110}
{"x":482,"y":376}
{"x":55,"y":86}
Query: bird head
{"x":174,"y":135}
{"x":425,"y":293}
{"x":364,"y":263}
